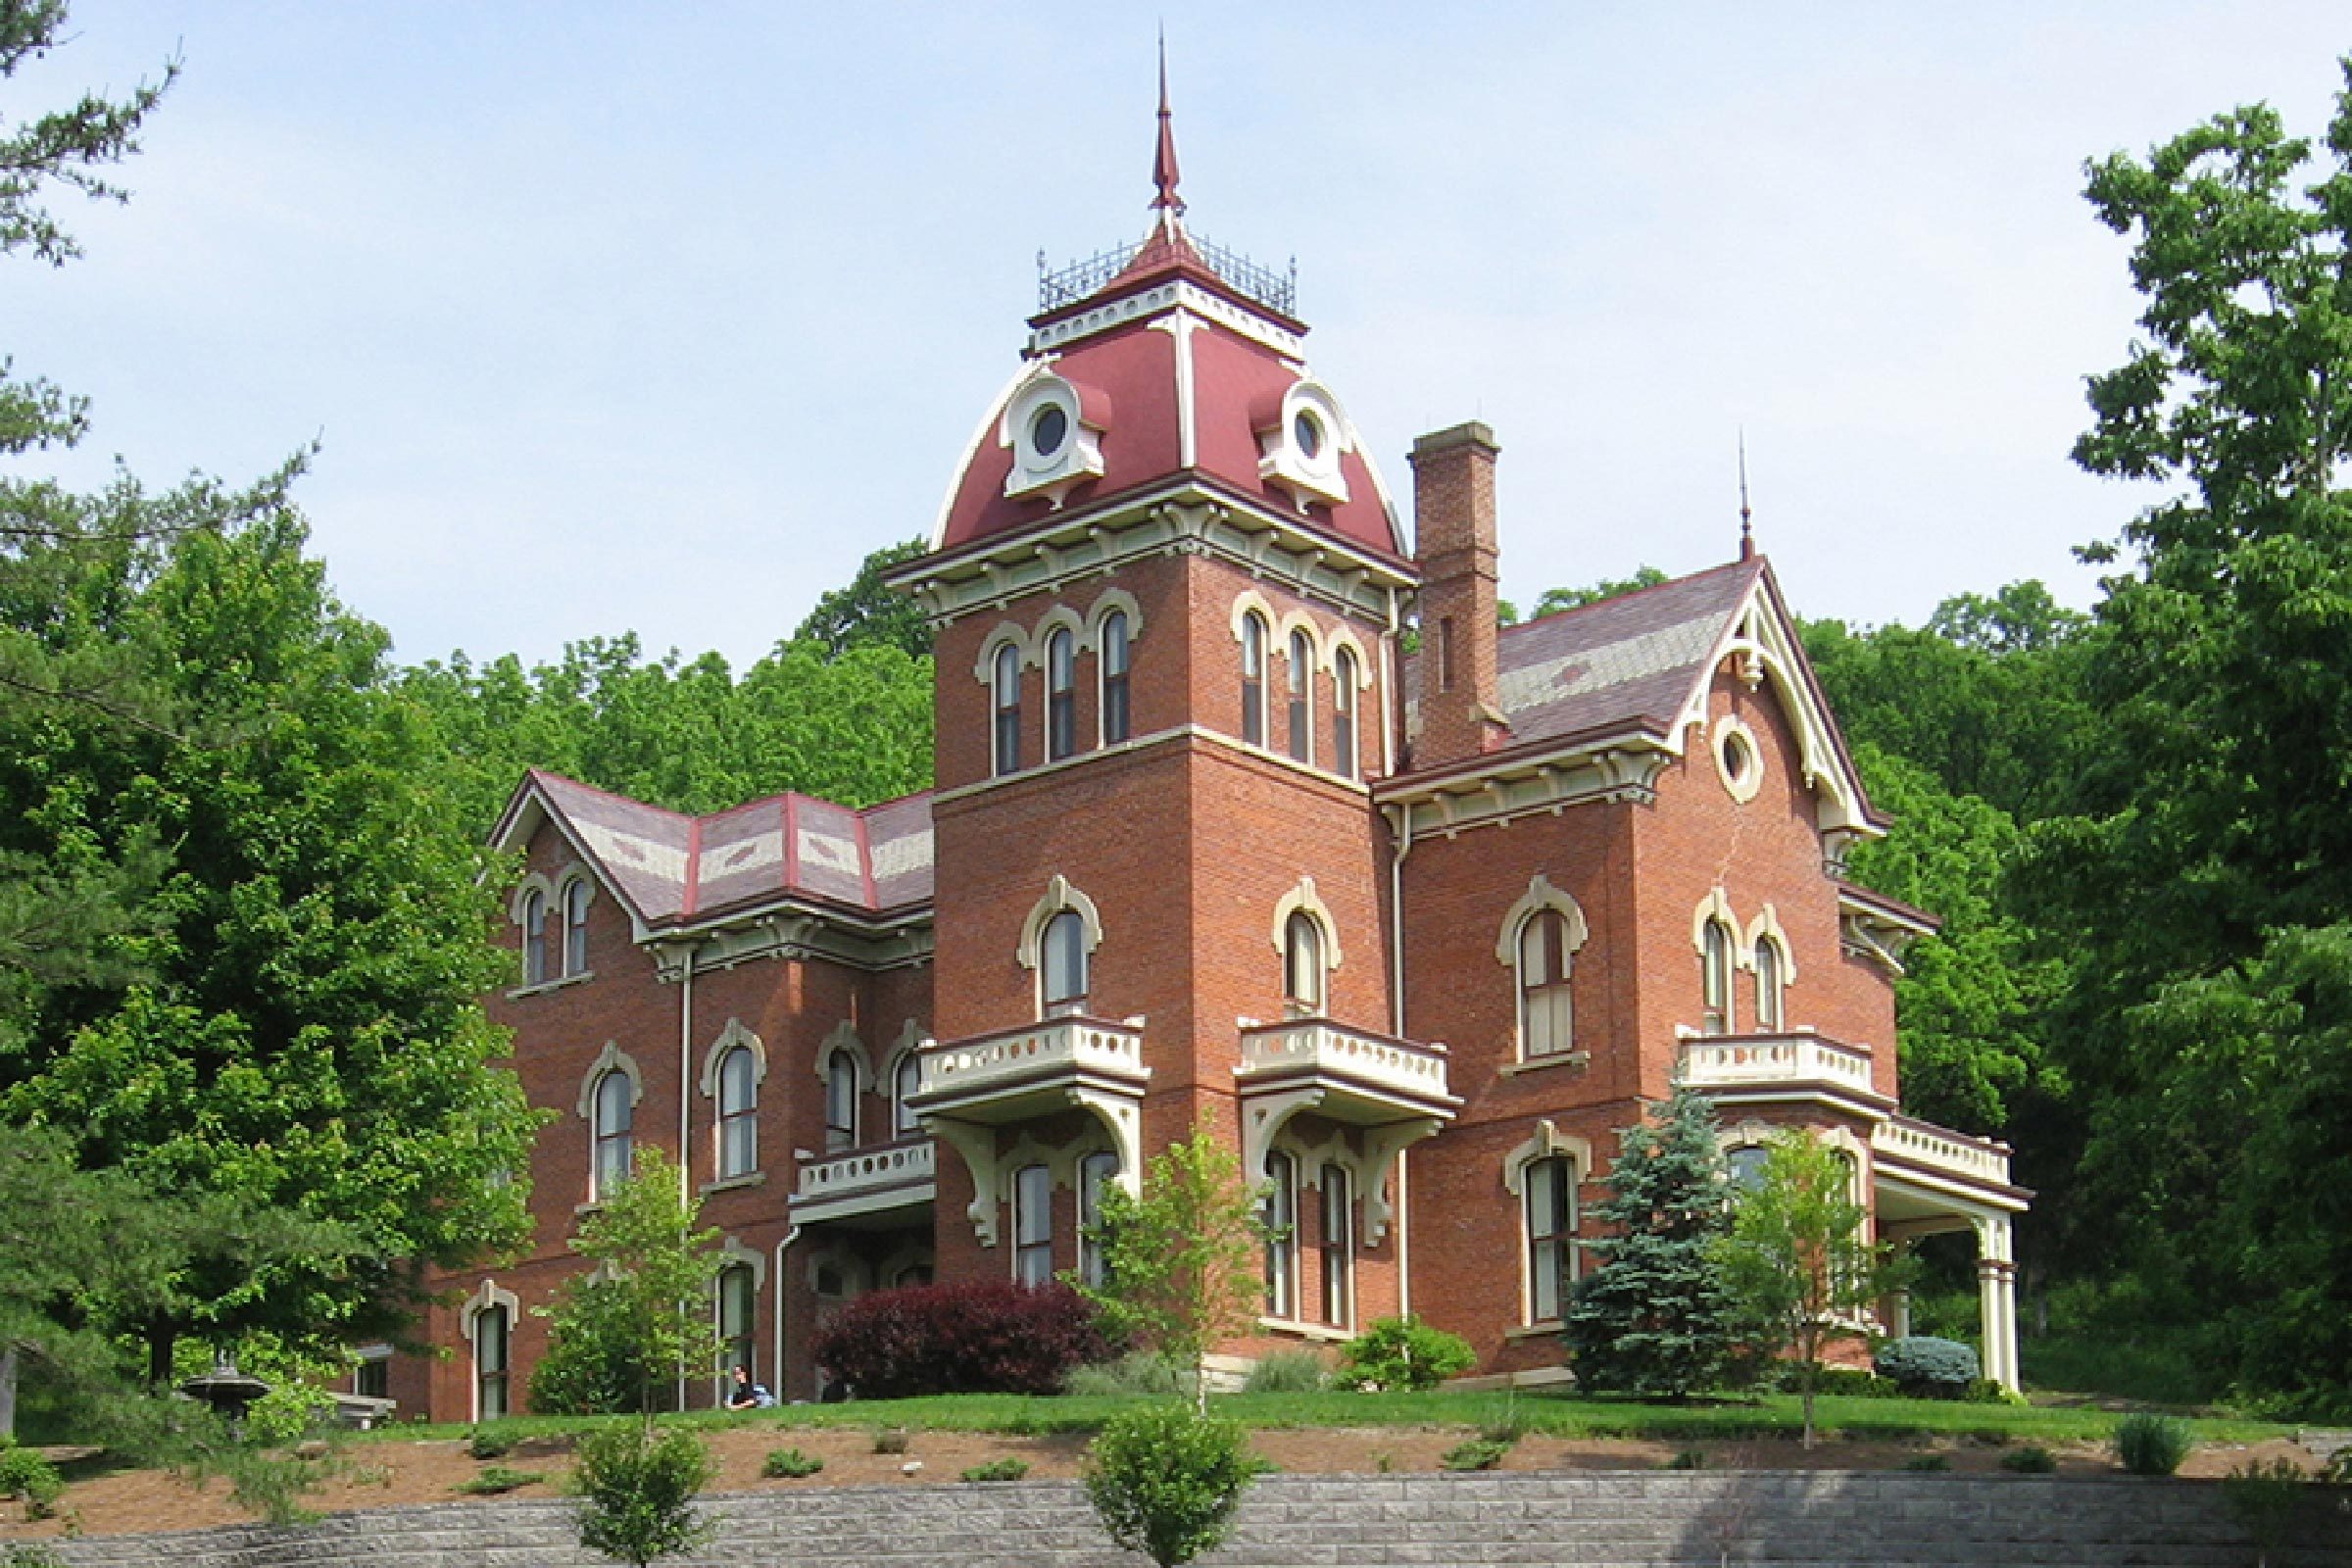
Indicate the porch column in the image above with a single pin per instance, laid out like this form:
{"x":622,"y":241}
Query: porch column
{"x":1996,"y":1300}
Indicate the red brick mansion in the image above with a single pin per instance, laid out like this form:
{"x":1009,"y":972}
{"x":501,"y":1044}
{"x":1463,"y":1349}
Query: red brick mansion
{"x":1417,"y":930}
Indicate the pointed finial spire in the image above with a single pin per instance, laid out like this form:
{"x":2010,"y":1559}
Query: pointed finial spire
{"x":1748,"y":535}
{"x":1163,"y":158}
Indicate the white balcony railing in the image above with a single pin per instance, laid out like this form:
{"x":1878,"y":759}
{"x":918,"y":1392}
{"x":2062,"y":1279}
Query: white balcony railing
{"x":861,"y":1173}
{"x":1923,"y":1144}
{"x":1076,"y":1046}
{"x":1738,"y":1061}
{"x":1324,"y":1048}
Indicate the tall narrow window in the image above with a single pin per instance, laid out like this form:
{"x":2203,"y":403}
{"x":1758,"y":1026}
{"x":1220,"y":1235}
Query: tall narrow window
{"x":841,"y":1102}
{"x":1550,"y":1186}
{"x":1116,"y":721}
{"x":1715,"y":977}
{"x":1094,"y":1172}
{"x":1545,"y":1017}
{"x":1281,"y":1235}
{"x":1064,"y":976}
{"x":1302,"y":707}
{"x":614,"y":1117}
{"x":1339,"y":1250}
{"x":490,"y":1329}
{"x":534,"y":938}
{"x":1446,"y":654}
{"x":1301,"y":964}
{"x":736,"y":1296}
{"x":1062,"y":696}
{"x":1254,"y":679}
{"x":904,"y":1082}
{"x":1768,"y":986}
{"x":737,"y":1114}
{"x":1008,"y":710}
{"x":1342,"y":713}
{"x":1033,"y":1225}
{"x":575,"y":927}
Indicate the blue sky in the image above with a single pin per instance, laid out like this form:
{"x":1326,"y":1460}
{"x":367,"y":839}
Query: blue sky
{"x":659,"y":316}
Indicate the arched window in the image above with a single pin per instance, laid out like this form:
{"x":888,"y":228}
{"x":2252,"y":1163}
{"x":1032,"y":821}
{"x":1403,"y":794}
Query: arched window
{"x":1094,"y":1172}
{"x":1062,"y":696}
{"x":575,"y":926}
{"x":904,"y":1080}
{"x":737,"y":1114}
{"x":1302,"y":707}
{"x":1062,"y":990}
{"x":1254,"y":678}
{"x":1768,"y":986}
{"x":1281,"y":1235}
{"x":1715,"y":977}
{"x":1745,"y":1166}
{"x":1546,"y":1017}
{"x":737,"y":1293}
{"x":614,"y":1115}
{"x":1339,"y":1249}
{"x":490,"y":1332}
{"x":1117,"y":722}
{"x":1033,"y":1225}
{"x":534,"y":938}
{"x":1008,"y":710}
{"x":1302,"y":964}
{"x":1550,"y":1195}
{"x":841,"y":1102}
{"x":1342,"y":713}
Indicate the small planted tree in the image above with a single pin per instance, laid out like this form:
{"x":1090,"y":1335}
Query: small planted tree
{"x":1796,"y":1262}
{"x":637,"y":1491}
{"x":1167,"y":1477}
{"x":1655,"y":1317}
{"x":1181,"y":1264}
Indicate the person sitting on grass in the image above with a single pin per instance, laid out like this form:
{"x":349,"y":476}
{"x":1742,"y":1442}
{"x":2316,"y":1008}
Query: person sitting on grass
{"x":747,"y":1394}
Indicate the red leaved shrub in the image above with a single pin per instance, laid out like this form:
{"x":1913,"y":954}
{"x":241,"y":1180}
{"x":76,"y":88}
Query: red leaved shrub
{"x":979,"y":1337}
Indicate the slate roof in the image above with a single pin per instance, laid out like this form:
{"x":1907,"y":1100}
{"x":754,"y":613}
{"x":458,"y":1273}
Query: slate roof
{"x":673,"y":869}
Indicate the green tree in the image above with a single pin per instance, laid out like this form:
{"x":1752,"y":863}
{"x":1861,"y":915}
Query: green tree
{"x":870,"y":612}
{"x":1165,"y":1479}
{"x":1653,"y":1318}
{"x":1795,"y":1261}
{"x":638,"y":1322}
{"x":637,"y":1491}
{"x":1181,"y":1264}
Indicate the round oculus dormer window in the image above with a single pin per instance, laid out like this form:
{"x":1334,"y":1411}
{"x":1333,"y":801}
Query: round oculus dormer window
{"x":1049,"y":428}
{"x":1737,"y":759}
{"x":1306,"y":433}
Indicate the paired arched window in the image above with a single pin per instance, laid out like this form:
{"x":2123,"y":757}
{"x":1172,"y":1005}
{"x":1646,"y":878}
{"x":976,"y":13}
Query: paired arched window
{"x":840,"y":1101}
{"x":615,"y":1115}
{"x":737,"y":1114}
{"x":1254,"y":678}
{"x":1547,"y":955}
{"x":904,"y":1080}
{"x":1062,"y":696}
{"x":1770,"y":973}
{"x":1302,"y":707}
{"x":491,"y":1330}
{"x":576,"y":894}
{"x":1062,"y":979}
{"x":1715,"y":958}
{"x":1549,"y":1192}
{"x":1303,"y":967}
{"x":1338,"y":1248}
{"x":1033,"y":1225}
{"x":1096,"y":1171}
{"x":737,"y":1293}
{"x":534,"y":938}
{"x":1117,"y":723}
{"x":1342,"y":713}
{"x":1008,"y":696}
{"x":1281,"y":1235}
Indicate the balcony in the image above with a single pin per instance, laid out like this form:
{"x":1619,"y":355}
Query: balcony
{"x":866,"y":1181}
{"x":1740,"y":1069}
{"x":1901,"y":1145}
{"x":1014,"y":1074}
{"x":1365,"y":1077}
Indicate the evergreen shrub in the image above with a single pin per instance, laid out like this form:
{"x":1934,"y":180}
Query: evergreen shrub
{"x":790,"y":1464}
{"x":1166,"y":1479}
{"x":1924,"y":1367}
{"x":980,"y":1337}
{"x":2152,"y":1445}
{"x":1403,"y":1353}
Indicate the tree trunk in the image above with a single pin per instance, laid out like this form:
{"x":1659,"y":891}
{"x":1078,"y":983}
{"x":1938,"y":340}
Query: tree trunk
{"x":8,"y":1392}
{"x":161,"y":1338}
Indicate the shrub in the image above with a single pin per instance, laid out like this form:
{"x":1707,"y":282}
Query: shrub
{"x":2029,"y":1460}
{"x":890,"y":1439}
{"x":1287,"y":1372}
{"x":1687,"y":1459}
{"x":1403,"y":1353}
{"x":495,"y":1480}
{"x":2152,"y":1445}
{"x":286,"y":1414}
{"x":30,"y":1556}
{"x":638,"y":1491}
{"x":1008,"y":1469}
{"x":980,"y":1337}
{"x":27,"y":1475}
{"x":1165,"y":1480}
{"x":790,"y":1464}
{"x":492,"y":1439}
{"x":1929,"y":1368}
{"x":1844,"y":1382}
{"x":1478,"y":1454}
{"x":1137,"y":1374}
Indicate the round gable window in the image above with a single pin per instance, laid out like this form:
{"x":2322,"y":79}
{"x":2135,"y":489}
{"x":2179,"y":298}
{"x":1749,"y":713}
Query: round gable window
{"x":1049,"y":428}
{"x":1739,"y":761}
{"x":1306,"y":433}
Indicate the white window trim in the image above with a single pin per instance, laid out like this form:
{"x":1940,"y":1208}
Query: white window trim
{"x":1547,"y":1141}
{"x":1743,"y":787}
{"x":1303,"y":898}
{"x":486,"y":1297}
{"x":1058,"y":895}
{"x":1111,"y":599}
{"x":610,"y":1059}
{"x":576,"y":877}
{"x":1540,"y":896}
{"x":908,"y":1045}
{"x":729,"y":1038}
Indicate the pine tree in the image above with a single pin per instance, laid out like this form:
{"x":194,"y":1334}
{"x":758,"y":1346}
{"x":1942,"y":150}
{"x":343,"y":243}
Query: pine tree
{"x":1654,"y":1318}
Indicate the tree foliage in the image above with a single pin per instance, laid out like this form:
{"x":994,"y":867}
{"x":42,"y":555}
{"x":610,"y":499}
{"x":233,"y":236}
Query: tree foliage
{"x":637,"y":1491}
{"x":639,"y":1320}
{"x":868,"y":612}
{"x":1165,"y":1479}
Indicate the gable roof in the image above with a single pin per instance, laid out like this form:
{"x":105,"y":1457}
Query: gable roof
{"x":673,"y":869}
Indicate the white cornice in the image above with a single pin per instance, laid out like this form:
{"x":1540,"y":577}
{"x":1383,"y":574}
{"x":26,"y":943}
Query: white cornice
{"x":1618,"y":767}
{"x":1172,"y":295}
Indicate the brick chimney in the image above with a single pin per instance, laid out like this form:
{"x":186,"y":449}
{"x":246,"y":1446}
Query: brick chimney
{"x":1453,"y":525}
